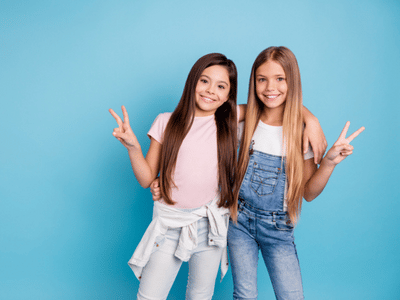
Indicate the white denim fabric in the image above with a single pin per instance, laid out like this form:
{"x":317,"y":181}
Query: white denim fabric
{"x":165,"y":216}
{"x":163,"y":266}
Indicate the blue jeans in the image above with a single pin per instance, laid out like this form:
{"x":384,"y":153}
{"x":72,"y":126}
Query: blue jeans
{"x":263,"y":225}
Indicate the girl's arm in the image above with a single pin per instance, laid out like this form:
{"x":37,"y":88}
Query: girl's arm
{"x":314,"y":135}
{"x":145,"y":169}
{"x":155,"y":189}
{"x":242,"y":112}
{"x":317,"y":178}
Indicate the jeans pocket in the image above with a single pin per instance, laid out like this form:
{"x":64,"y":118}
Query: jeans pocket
{"x":285,"y":225}
{"x":264,"y":179}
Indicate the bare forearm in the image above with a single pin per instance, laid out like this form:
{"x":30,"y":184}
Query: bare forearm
{"x":318,"y":181}
{"x":308,"y":116}
{"x":145,"y":169}
{"x":242,"y":112}
{"x":141,"y":168}
{"x":338,"y":152}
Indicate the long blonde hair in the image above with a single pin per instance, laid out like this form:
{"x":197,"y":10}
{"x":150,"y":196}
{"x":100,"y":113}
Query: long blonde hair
{"x":292,"y":128}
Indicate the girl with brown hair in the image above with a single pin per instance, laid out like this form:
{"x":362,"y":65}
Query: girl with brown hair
{"x":194,"y":150}
{"x":273,"y":176}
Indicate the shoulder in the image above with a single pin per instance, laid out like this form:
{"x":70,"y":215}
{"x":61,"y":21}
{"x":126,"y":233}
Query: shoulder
{"x":158,"y":127}
{"x":163,"y":117}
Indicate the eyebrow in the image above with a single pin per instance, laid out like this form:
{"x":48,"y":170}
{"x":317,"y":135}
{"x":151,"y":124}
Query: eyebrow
{"x":276,"y":75}
{"x":221,"y":81}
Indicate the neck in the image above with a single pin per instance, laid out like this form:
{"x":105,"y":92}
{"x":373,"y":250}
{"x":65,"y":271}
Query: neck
{"x":273,"y":116}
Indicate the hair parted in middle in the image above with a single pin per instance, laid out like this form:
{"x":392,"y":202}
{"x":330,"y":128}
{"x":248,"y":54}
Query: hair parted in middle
{"x":292,"y":127}
{"x":181,"y":121}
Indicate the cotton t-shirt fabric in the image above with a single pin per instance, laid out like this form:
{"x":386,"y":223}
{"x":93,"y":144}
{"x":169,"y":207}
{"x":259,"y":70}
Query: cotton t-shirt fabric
{"x":269,"y":139}
{"x":196,"y":169}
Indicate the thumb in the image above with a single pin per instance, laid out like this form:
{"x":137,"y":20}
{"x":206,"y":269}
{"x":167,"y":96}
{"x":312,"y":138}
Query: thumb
{"x":305,"y":145}
{"x":120,"y":135}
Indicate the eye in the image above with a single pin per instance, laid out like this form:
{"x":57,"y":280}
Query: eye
{"x":203,"y":80}
{"x":281,"y":79}
{"x":221,"y":87}
{"x":261,"y":79}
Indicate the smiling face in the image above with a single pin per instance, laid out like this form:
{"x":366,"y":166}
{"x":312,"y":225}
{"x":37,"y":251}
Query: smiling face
{"x":271,"y":86}
{"x":212,"y":90}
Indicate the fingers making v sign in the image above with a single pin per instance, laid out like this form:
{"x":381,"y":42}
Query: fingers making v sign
{"x":124,"y":132}
{"x":342,"y":148}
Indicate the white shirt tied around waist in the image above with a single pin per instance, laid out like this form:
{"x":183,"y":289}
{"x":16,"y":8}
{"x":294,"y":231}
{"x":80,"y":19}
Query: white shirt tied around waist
{"x":165,"y":217}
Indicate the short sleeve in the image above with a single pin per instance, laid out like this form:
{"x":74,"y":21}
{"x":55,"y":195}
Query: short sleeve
{"x":157,"y":129}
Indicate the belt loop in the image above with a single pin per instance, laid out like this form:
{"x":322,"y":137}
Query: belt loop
{"x":273,"y":216}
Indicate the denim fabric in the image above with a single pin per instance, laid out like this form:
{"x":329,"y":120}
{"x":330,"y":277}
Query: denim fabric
{"x":159,"y":273}
{"x":263,"y":185}
{"x":263,"y":225}
{"x":167,"y":217}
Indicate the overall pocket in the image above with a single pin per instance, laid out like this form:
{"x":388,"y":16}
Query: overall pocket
{"x":285,"y":225}
{"x":264,"y":179}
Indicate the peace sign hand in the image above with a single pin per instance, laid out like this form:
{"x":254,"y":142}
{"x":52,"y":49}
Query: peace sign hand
{"x":124,"y":132}
{"x":342,"y":148}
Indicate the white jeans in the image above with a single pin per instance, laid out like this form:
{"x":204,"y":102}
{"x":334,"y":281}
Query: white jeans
{"x":160,"y":272}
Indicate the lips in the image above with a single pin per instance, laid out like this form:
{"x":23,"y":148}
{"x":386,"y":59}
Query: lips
{"x":271,"y":97}
{"x":207,"y":99}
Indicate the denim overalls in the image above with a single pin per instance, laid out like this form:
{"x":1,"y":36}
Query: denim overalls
{"x":263,"y":225}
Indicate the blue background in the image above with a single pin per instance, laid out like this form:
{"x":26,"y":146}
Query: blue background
{"x":71,"y":211}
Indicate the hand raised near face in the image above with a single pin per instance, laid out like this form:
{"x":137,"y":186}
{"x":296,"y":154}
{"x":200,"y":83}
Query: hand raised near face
{"x":342,"y":148}
{"x":124,"y":132}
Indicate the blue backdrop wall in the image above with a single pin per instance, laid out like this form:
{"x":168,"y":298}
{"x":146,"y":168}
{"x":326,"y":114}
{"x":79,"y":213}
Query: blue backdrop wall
{"x":71,"y":211}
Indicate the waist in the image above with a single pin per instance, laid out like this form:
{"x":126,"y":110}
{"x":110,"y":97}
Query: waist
{"x":255,"y":211}
{"x":202,"y":230}
{"x":191,"y":199}
{"x":259,"y":155}
{"x":179,"y":217}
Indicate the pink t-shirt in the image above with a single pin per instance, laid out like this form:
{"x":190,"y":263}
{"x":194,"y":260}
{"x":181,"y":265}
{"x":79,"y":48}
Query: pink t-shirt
{"x":196,"y":170}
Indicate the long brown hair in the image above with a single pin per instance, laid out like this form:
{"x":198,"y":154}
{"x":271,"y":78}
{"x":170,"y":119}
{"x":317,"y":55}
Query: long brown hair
{"x":292,"y":127}
{"x":181,"y":121}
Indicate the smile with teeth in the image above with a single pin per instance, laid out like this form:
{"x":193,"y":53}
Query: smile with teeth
{"x":207,"y":100}
{"x":271,"y":97}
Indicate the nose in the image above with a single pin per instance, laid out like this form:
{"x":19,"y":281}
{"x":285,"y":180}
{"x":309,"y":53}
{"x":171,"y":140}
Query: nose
{"x":270,"y":86}
{"x":210,"y":89}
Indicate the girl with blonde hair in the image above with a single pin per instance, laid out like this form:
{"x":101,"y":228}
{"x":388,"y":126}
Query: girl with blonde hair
{"x":194,"y":151}
{"x":273,"y":176}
